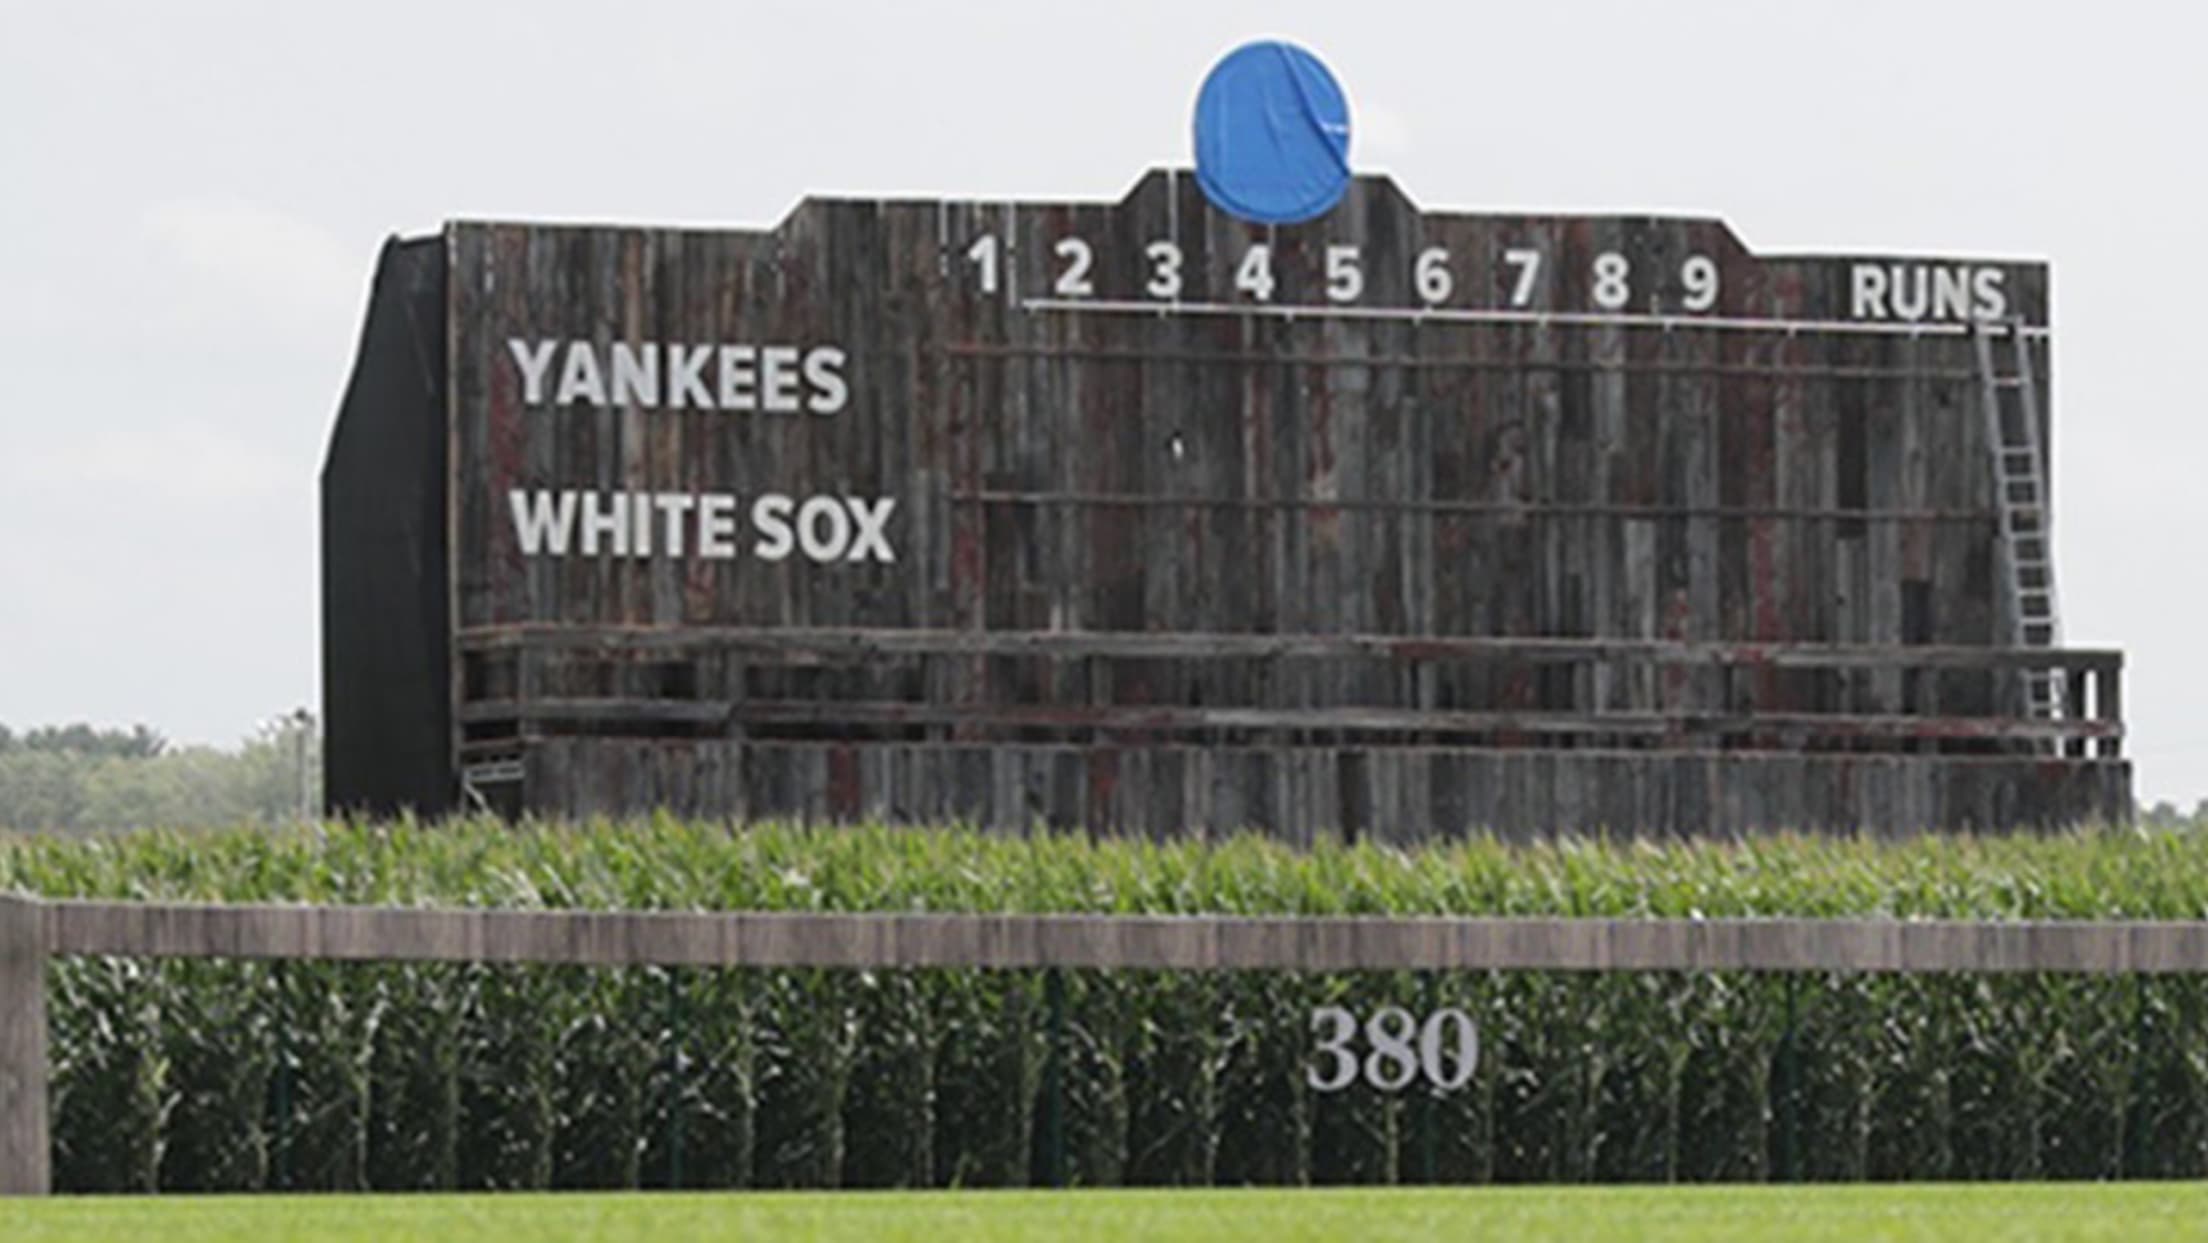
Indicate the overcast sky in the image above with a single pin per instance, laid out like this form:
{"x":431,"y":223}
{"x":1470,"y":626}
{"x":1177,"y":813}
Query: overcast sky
{"x":191,"y":197}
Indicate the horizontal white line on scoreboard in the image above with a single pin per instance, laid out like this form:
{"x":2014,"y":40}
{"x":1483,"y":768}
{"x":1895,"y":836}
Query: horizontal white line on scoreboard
{"x":1719,"y":323}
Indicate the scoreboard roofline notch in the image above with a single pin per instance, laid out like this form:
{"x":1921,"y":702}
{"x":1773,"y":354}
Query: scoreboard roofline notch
{"x":1387,"y":184}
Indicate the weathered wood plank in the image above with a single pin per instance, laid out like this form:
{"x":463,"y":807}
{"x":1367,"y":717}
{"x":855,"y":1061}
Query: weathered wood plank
{"x":854,"y":643}
{"x":25,"y":1151}
{"x":1150,"y":719}
{"x":1193,"y":942}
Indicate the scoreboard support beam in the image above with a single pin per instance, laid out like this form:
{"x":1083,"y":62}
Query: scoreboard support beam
{"x":25,"y":1148}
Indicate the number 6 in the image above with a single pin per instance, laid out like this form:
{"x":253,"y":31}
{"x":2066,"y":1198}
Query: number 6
{"x":1432,"y":273}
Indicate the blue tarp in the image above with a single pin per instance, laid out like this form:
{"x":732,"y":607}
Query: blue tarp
{"x":1272,"y":134}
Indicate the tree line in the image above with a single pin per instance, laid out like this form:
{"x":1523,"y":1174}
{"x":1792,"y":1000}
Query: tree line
{"x":78,"y":778}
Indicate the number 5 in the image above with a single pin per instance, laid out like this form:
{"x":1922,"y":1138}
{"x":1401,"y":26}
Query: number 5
{"x":1344,"y":279}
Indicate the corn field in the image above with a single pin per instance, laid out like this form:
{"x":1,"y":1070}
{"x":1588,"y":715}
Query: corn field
{"x":235,"y":1075}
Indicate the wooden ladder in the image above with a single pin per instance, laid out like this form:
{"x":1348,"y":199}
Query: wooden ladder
{"x":2020,"y":491}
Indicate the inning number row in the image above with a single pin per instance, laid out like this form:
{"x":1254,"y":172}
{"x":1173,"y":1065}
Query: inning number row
{"x":1610,"y":276}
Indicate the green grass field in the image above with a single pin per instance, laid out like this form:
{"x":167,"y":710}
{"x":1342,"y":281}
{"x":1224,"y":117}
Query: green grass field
{"x":1985,"y":1213}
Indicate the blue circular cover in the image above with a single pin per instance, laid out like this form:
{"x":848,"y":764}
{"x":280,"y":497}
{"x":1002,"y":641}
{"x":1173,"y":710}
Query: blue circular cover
{"x":1272,"y":134}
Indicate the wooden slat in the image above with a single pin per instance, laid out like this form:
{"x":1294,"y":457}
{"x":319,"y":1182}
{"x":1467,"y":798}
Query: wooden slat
{"x":24,"y":948}
{"x":1395,"y":505}
{"x":858,"y":643}
{"x":1295,"y":790}
{"x":1158,"y":718}
{"x":1199,"y":942}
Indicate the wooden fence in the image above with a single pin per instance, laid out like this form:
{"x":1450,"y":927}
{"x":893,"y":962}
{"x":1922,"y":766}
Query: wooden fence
{"x":32,"y":931}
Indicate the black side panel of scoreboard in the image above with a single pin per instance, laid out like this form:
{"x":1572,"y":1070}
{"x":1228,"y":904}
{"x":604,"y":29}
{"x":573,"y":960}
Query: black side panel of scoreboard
{"x":386,"y":637}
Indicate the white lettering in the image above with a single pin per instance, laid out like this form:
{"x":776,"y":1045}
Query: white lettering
{"x":1868,"y":291}
{"x":635,"y":374}
{"x":739,"y":379}
{"x":1989,"y":285}
{"x":872,"y":519}
{"x":580,"y":379}
{"x":542,"y":521}
{"x":686,"y":377}
{"x":818,"y":545}
{"x":770,"y":516}
{"x":824,"y":371}
{"x":535,"y":364}
{"x":672,"y":507}
{"x":1912,"y":293}
{"x":621,"y":524}
{"x":1951,"y":293}
{"x":612,"y":522}
{"x":716,"y":525}
{"x":778,"y":379}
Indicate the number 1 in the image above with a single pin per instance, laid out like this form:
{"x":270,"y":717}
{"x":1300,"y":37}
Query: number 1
{"x":984,"y":254}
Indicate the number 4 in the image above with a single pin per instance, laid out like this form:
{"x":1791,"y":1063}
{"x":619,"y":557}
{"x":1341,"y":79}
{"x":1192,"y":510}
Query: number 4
{"x":1255,"y":276}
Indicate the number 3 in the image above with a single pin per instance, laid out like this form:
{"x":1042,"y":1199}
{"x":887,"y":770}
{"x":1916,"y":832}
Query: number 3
{"x":1165,"y":269}
{"x":1336,"y":1044}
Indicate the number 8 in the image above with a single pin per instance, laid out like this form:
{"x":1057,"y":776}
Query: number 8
{"x":1390,"y":1030}
{"x":1611,"y":291}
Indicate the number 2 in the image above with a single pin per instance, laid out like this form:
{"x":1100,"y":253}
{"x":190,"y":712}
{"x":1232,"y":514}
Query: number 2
{"x":1074,"y":281}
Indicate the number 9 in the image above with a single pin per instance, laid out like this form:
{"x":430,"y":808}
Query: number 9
{"x":1699,"y":273}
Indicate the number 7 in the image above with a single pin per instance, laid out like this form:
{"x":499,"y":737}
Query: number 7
{"x":1528,"y":263}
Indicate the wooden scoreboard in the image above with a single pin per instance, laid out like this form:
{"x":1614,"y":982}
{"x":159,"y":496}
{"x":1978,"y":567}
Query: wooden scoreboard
{"x":1140,"y":516}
